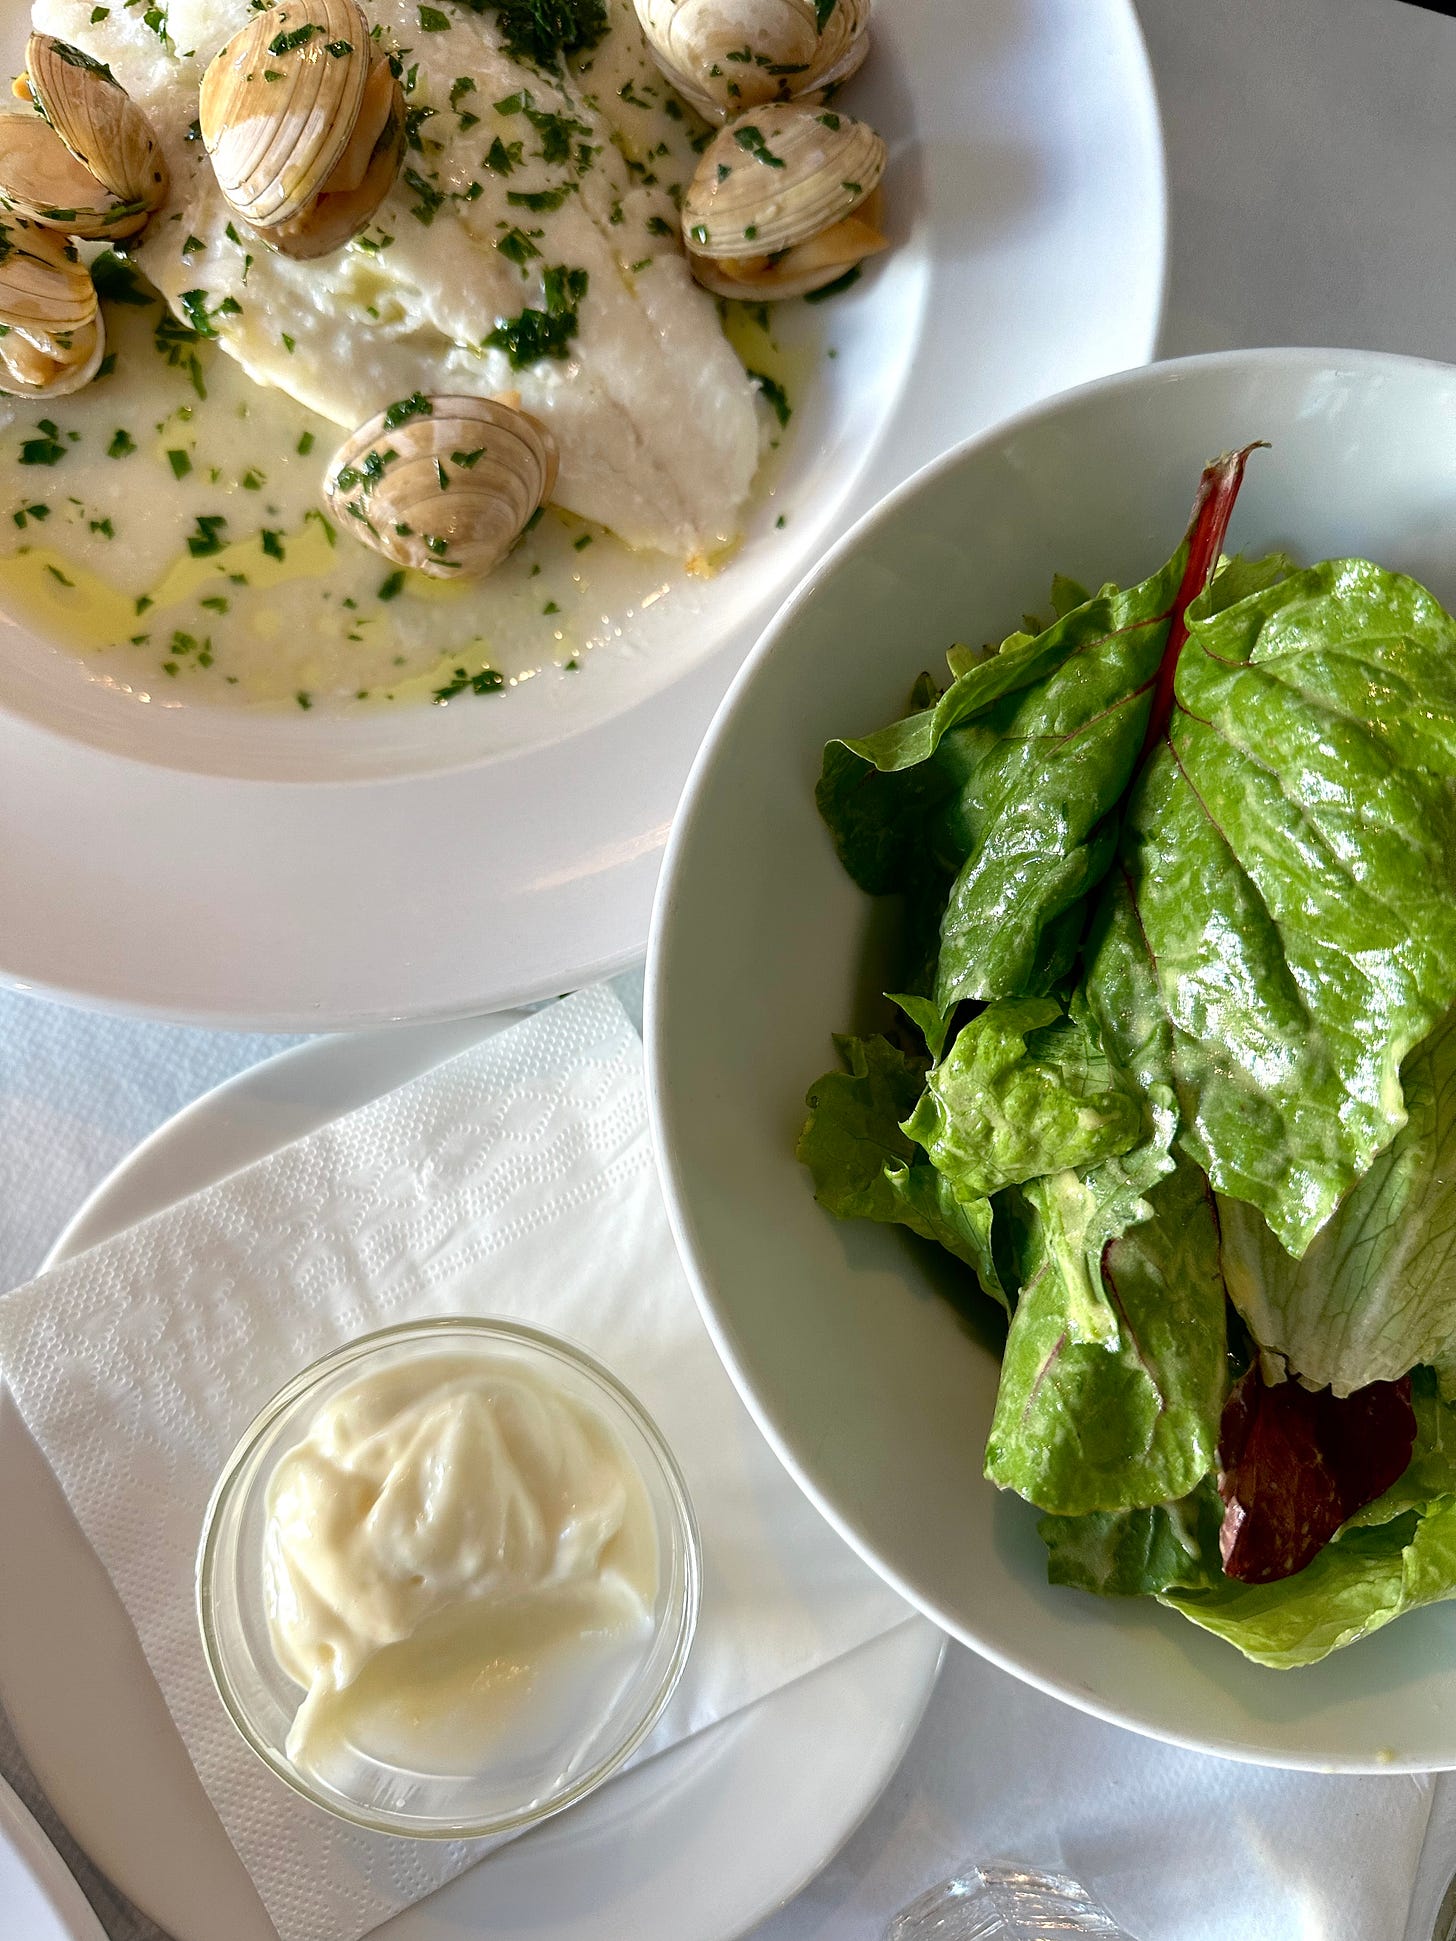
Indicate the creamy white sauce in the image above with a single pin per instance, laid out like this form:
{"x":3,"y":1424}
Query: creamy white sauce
{"x":461,"y":1565}
{"x":103,"y":568}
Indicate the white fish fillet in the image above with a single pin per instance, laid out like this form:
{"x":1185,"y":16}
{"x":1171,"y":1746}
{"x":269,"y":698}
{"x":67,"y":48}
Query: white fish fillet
{"x":655,"y":418}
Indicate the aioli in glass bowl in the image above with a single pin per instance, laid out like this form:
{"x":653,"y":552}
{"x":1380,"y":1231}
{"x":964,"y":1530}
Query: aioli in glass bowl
{"x":448,"y":1579}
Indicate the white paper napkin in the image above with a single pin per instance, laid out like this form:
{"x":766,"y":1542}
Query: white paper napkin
{"x":515,"y":1180}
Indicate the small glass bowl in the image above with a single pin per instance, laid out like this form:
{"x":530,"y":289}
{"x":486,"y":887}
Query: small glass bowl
{"x":262,"y":1698}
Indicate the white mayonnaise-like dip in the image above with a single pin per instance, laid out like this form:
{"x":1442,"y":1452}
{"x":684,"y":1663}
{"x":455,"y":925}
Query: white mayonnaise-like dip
{"x":460,"y":1566}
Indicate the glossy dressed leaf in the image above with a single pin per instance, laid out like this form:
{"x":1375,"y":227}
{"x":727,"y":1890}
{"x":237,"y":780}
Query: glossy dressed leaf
{"x":1135,"y":1553}
{"x":1000,"y":789}
{"x":1287,"y":877}
{"x":1024,"y":1090}
{"x":1082,"y":1426}
{"x":865,"y":1168}
{"x":1375,"y":1293}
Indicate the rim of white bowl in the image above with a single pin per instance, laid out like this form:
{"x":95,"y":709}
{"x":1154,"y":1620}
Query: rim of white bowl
{"x":1164,"y":371}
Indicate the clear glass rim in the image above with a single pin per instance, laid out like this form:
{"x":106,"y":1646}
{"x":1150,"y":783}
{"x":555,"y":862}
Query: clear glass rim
{"x":683,"y":1612}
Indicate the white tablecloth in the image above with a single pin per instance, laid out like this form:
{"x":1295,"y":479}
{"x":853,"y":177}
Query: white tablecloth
{"x":1312,"y":150}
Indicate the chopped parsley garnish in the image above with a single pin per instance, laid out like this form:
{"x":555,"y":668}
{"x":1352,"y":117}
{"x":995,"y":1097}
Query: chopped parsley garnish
{"x":47,"y":449}
{"x":288,"y":343}
{"x":432,"y":21}
{"x":516,"y":246}
{"x":339,"y":48}
{"x":180,"y":462}
{"x":430,"y":201}
{"x":550,"y":607}
{"x":251,"y":481}
{"x":502,"y":157}
{"x":774,"y":394}
{"x":414,"y":120}
{"x":122,"y":444}
{"x":487,"y":681}
{"x":104,"y":528}
{"x":192,"y":244}
{"x":272,"y":542}
{"x":216,"y":603}
{"x":117,"y":282}
{"x":304,"y":445}
{"x":536,"y":334}
{"x":541,"y":200}
{"x":323,"y":524}
{"x":286,"y":42}
{"x":416,"y":405}
{"x":199,"y":318}
{"x":304,"y":699}
{"x":462,"y":85}
{"x":823,"y":9}
{"x":26,"y":513}
{"x":581,"y":544}
{"x":207,"y":538}
{"x":392,"y":586}
{"x":73,"y":57}
{"x":658,"y":226}
{"x":752,"y":139}
{"x":541,"y":31}
{"x":828,"y":120}
{"x":56,"y":574}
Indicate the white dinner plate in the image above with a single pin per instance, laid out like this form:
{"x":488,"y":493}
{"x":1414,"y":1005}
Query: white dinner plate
{"x":697,"y":1845}
{"x":306,"y":872}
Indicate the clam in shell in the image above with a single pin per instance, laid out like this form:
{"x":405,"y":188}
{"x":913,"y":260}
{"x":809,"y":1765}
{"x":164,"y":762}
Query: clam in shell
{"x":784,"y":201}
{"x":87,"y":163}
{"x":299,"y":107}
{"x":728,"y":55}
{"x":51,"y":335}
{"x":361,"y":179}
{"x":444,"y":484}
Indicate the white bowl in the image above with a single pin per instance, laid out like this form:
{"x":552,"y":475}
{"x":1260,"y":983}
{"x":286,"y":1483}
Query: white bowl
{"x":876,"y":1393}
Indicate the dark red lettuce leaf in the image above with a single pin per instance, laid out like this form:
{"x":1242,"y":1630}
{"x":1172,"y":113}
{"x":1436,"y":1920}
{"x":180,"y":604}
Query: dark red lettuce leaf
{"x":1295,"y":1463}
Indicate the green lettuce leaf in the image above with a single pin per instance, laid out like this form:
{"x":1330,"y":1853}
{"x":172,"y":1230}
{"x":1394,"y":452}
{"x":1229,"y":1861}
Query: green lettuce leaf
{"x":991,"y":801}
{"x":1375,"y":1293}
{"x":1024,"y":1090}
{"x":1356,"y":1585}
{"x":865,"y":1168}
{"x":1131,"y":1421}
{"x":1282,"y":917}
{"x":1136,"y":1553}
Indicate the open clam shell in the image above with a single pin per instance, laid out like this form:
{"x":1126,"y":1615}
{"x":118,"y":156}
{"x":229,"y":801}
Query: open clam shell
{"x":53,"y":338}
{"x":728,"y":55}
{"x":101,"y":127}
{"x":783,"y":201}
{"x":41,"y":180}
{"x":280,"y":102}
{"x":443,"y":484}
{"x":363,"y":177}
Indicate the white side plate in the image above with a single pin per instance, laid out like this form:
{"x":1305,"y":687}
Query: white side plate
{"x":723,"y":1829}
{"x":302,"y":872}
{"x":40,"y":1899}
